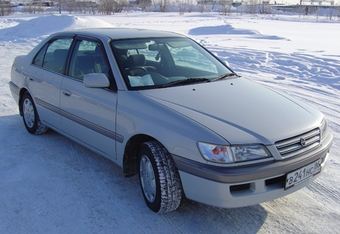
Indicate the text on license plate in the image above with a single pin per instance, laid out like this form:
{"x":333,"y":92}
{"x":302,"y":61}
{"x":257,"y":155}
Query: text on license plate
{"x":299,"y":175}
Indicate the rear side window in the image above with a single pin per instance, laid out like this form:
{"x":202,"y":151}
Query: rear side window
{"x":39,"y":58}
{"x":53,"y":55}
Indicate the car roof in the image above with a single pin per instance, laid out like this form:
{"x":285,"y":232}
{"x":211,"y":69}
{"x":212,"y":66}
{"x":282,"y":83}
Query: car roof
{"x":121,"y":33}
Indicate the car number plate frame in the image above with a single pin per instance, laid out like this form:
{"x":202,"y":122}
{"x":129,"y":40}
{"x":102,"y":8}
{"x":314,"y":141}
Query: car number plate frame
{"x":295,"y":177}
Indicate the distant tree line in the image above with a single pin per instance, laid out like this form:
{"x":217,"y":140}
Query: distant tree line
{"x":5,"y":8}
{"x":108,"y":7}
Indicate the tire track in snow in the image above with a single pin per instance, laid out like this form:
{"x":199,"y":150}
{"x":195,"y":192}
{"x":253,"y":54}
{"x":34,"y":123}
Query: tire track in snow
{"x":85,"y":165}
{"x":286,"y":220}
{"x":24,"y":190}
{"x":107,"y":181}
{"x":26,"y":200}
{"x":295,"y":66}
{"x":207,"y":219}
{"x":321,"y":188}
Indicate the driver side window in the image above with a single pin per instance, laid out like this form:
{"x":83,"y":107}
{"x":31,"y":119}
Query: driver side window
{"x":88,"y":57}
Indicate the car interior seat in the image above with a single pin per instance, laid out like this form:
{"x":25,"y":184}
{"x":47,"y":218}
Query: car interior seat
{"x":84,"y":65}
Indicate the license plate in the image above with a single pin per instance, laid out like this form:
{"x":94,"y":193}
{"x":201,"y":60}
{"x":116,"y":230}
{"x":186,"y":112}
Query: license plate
{"x":302,"y":174}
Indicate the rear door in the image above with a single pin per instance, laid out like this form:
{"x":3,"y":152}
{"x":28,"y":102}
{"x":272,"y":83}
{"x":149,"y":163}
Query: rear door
{"x":88,"y":114}
{"x":46,"y":75}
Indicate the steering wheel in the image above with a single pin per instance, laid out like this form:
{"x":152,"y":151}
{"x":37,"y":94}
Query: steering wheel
{"x":135,"y":70}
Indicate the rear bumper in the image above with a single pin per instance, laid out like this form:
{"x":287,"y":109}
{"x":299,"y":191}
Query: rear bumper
{"x":245,"y":186}
{"x":15,"y":90}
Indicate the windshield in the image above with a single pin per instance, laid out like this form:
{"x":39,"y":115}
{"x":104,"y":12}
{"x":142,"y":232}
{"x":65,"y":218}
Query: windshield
{"x":165,"y":62}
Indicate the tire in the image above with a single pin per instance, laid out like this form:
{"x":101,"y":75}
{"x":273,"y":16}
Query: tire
{"x":30,"y":116}
{"x":159,"y":178}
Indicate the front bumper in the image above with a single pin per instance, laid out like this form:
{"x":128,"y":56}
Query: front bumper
{"x":244,"y":186}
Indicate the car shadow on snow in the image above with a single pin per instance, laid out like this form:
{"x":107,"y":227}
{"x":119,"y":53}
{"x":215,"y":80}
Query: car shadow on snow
{"x":52,"y":183}
{"x":208,"y":219}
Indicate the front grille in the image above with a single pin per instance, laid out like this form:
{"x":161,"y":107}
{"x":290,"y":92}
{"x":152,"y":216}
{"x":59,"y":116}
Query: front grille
{"x":299,"y":144}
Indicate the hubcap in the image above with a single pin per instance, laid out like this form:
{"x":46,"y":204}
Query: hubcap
{"x":147,"y":178}
{"x":28,"y":112}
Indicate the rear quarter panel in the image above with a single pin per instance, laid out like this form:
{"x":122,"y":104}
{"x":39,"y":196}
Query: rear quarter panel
{"x":19,"y":75}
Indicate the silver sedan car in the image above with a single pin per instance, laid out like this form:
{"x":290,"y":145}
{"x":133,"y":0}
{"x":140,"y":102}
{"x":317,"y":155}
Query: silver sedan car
{"x":160,"y":105}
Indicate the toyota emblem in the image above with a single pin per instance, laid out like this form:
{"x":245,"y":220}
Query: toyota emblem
{"x":302,"y":142}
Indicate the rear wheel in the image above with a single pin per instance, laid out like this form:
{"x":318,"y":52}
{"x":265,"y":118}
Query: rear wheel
{"x":159,"y":178}
{"x":30,"y":116}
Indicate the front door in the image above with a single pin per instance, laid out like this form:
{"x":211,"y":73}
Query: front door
{"x":88,"y":114}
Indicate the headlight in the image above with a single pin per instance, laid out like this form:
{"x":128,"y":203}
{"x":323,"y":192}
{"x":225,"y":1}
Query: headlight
{"x":232,"y":154}
{"x":323,"y":128}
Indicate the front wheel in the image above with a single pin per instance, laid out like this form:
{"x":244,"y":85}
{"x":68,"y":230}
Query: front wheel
{"x":30,"y":115}
{"x":159,"y":178}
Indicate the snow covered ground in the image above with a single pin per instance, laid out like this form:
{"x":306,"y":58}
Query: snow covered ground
{"x":49,"y":184}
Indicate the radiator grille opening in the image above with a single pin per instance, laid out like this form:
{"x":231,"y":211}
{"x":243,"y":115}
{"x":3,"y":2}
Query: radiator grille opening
{"x":299,"y":144}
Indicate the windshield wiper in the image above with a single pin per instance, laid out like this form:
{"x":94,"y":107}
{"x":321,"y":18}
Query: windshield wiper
{"x":185,"y":81}
{"x":224,"y":76}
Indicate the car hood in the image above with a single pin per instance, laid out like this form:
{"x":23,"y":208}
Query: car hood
{"x":239,"y":110}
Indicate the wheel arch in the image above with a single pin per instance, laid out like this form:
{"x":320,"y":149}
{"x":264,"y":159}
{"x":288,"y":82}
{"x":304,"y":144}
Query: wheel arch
{"x":21,"y":94}
{"x":130,"y":159}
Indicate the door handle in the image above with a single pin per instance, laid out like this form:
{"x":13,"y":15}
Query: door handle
{"x":67,"y":93}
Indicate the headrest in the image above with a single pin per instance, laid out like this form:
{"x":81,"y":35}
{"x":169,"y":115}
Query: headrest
{"x":136,"y":60}
{"x":86,"y":62}
{"x":60,"y":53}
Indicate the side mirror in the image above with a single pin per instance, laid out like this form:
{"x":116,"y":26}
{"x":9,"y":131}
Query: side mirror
{"x":96,"y":80}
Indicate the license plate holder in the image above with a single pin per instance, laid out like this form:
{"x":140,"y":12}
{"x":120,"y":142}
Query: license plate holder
{"x":295,"y":177}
